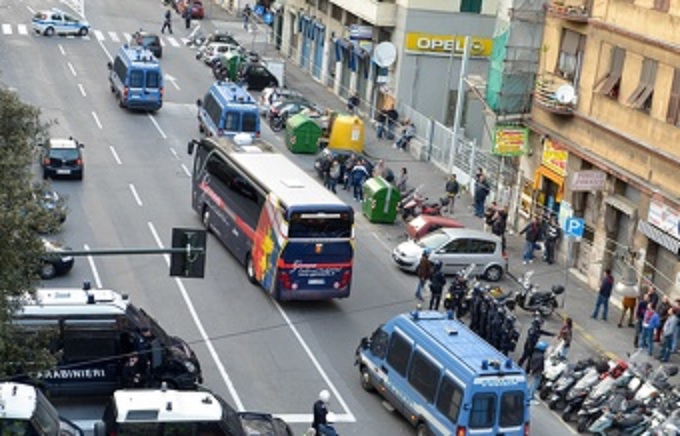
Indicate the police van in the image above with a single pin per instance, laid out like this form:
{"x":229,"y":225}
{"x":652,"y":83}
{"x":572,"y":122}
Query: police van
{"x":228,"y":109}
{"x":94,"y":335}
{"x":444,"y":378}
{"x":24,"y":410}
{"x":136,"y":79}
{"x":161,"y":412}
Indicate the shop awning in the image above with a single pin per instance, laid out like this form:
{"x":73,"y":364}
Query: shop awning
{"x":551,"y":175}
{"x":660,"y":237}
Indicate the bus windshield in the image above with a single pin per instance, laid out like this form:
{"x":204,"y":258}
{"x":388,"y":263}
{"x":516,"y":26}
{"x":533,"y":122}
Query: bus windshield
{"x":320,"y":225}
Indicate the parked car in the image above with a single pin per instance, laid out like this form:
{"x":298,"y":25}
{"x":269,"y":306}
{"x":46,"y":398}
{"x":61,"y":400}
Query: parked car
{"x":342,"y":156}
{"x":424,"y":224}
{"x":195,"y":6}
{"x":456,"y":248}
{"x":52,"y":204}
{"x":63,"y":158}
{"x":56,"y":261}
{"x":215,"y":50}
{"x":255,"y":76}
{"x":149,"y":41}
{"x":280,"y":113}
{"x":58,"y":22}
{"x":271,"y":95}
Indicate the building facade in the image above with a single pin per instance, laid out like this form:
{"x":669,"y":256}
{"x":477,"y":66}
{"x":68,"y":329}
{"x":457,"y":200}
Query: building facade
{"x":604,"y":132}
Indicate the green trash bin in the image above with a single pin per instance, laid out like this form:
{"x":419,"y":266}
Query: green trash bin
{"x":232,"y":61}
{"x":302,"y":134}
{"x":380,"y":200}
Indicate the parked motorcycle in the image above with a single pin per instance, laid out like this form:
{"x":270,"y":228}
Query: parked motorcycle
{"x":532,"y":300}
{"x":578,"y":393}
{"x":554,"y":367}
{"x":572,"y":374}
{"x":418,"y":204}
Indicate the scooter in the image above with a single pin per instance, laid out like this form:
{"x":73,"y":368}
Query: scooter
{"x":554,"y":367}
{"x":532,"y":300}
{"x":572,"y":374}
{"x":578,"y":393}
{"x":418,"y":205}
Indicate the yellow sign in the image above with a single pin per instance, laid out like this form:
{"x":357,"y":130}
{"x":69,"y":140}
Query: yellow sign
{"x":555,"y":156}
{"x":510,"y":140}
{"x":429,"y":43}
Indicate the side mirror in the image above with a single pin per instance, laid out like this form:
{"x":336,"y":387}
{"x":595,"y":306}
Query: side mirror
{"x":190,"y":147}
{"x":81,"y":145}
{"x":109,"y":65}
{"x":199,"y":103}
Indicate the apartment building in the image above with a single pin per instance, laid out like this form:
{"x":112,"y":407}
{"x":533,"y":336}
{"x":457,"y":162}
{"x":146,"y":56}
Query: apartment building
{"x":335,"y":40}
{"x":605,"y":132}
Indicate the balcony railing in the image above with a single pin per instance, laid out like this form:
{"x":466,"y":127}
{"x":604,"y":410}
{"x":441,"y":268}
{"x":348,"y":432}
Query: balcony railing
{"x":577,"y":11}
{"x":555,"y":95}
{"x":376,"y":13}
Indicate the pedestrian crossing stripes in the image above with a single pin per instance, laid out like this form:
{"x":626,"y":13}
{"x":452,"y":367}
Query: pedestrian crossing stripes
{"x":99,"y":35}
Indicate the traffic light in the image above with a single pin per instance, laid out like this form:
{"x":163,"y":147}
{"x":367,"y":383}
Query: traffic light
{"x":189,"y":260}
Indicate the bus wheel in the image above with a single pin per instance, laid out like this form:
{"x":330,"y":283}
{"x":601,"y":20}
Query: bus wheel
{"x":206,"y":218}
{"x":250,"y":270}
{"x":366,"y":380}
{"x":422,"y":430}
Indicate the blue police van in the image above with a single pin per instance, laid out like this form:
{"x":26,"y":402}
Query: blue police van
{"x":228,"y":109}
{"x":444,"y":378}
{"x":136,"y":79}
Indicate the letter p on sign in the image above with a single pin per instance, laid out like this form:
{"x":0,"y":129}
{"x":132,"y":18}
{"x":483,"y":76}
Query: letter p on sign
{"x":574,"y":227}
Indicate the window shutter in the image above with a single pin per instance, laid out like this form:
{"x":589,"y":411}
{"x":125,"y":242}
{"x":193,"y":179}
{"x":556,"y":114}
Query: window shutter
{"x":647,"y":81}
{"x":616,"y":67}
{"x":674,"y":103}
{"x":570,"y":42}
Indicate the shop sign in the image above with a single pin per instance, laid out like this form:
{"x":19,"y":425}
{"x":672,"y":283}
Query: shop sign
{"x":555,"y":157}
{"x":428,"y":43}
{"x":510,"y":140}
{"x":588,"y":180}
{"x":360,"y":32}
{"x":665,"y":218}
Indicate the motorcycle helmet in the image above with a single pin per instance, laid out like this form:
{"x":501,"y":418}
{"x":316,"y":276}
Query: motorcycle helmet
{"x":558,"y":289}
{"x":427,"y":251}
{"x":437,"y":265}
{"x":542,"y":346}
{"x":324,"y":396}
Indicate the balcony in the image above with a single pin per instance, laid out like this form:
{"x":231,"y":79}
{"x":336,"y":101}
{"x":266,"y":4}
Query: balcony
{"x":377,"y":13}
{"x":555,"y":95}
{"x":577,"y":11}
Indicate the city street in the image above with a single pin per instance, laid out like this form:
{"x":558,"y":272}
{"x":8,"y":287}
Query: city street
{"x":256,"y":353}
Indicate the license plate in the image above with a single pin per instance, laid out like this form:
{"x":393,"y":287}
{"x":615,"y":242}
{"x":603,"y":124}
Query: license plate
{"x":316,"y":281}
{"x":63,"y":171}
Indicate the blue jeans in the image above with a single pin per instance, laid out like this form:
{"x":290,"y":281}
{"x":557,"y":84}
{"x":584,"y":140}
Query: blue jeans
{"x":647,"y":339}
{"x":358,"y":191}
{"x":604,"y":302}
{"x":419,"y":288}
{"x":529,"y":248}
{"x":534,"y":382}
{"x":674,"y":344}
{"x":666,"y":347}
{"x":479,"y":208}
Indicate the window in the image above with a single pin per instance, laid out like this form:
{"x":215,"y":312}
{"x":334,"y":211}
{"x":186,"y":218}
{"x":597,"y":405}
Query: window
{"x":232,"y":121}
{"x":483,"y":413}
{"x":611,"y":81}
{"x":474,"y":6}
{"x":398,"y":354}
{"x":512,"y":409}
{"x":83,"y":346}
{"x":449,"y":400}
{"x":674,"y":103}
{"x":152,"y":79}
{"x":571,"y":55}
{"x":641,"y":98}
{"x":662,"y":5}
{"x":379,"y":343}
{"x":424,"y":376}
{"x":479,"y":246}
{"x":457,"y":246}
{"x":136,"y":79}
{"x":249,"y":122}
{"x":120,"y":69}
{"x":213,"y":109}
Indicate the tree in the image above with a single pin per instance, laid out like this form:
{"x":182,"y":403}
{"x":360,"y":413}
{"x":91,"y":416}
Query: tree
{"x":22,"y":212}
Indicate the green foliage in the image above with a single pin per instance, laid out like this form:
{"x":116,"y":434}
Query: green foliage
{"x":22,"y":212}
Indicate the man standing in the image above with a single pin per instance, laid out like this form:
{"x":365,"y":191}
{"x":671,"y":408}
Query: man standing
{"x":246,"y":16}
{"x":167,"y":23}
{"x":481,"y":192}
{"x":533,"y":335}
{"x":437,"y":283}
{"x":553,"y":234}
{"x":359,"y":174}
{"x":532,"y":234}
{"x":423,"y":270}
{"x":187,"y":16}
{"x":536,"y":366}
{"x":603,"y":295}
{"x":452,"y":187}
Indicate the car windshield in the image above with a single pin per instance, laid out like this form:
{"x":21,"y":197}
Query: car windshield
{"x":150,"y":41}
{"x":142,"y":319}
{"x":433,"y":240}
{"x":40,"y":16}
{"x":64,"y":153}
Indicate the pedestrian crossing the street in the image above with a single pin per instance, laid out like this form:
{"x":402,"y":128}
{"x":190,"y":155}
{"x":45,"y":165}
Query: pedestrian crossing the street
{"x":7,"y":30}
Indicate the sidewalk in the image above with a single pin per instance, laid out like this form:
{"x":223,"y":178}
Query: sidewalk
{"x":577,"y":302}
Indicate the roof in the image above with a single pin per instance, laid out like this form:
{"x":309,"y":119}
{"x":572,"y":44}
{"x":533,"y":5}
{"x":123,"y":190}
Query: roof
{"x":233,"y":93}
{"x":463,"y":345}
{"x":138,"y":55}
{"x":17,"y":401}
{"x":479,"y":234}
{"x":73,"y":301}
{"x":158,"y":405}
{"x":63,"y":143}
{"x":292,"y":185}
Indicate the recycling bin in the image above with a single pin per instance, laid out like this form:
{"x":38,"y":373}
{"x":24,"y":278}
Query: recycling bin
{"x":380,"y":201}
{"x":302,"y":134}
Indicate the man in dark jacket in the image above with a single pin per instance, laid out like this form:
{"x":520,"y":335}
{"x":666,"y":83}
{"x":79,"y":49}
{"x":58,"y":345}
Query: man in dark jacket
{"x":533,"y":335}
{"x":359,"y":175}
{"x":437,"y":283}
{"x":536,"y":366}
{"x":481,"y":192}
{"x":424,"y":270}
{"x":553,"y":234}
{"x":532,"y":234}
{"x":606,"y":286}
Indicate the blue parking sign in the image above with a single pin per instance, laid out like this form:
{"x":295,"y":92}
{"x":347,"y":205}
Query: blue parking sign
{"x":574,"y":227}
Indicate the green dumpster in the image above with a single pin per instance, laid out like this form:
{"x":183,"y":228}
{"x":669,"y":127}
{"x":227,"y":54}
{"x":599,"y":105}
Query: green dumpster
{"x":232,"y":61}
{"x":380,"y":200}
{"x":302,"y":134}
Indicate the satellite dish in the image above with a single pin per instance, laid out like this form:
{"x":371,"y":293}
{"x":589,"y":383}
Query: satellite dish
{"x":565,"y":94}
{"x":385,"y":54}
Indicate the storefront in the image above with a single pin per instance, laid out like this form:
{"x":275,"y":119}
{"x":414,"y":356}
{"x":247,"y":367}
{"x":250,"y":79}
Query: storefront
{"x":549,"y":177}
{"x":344,"y":57}
{"x":662,"y":229}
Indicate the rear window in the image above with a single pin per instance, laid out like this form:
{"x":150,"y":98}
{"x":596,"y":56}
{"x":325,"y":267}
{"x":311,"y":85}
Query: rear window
{"x":152,"y":79}
{"x":250,"y":122}
{"x":64,"y":153}
{"x":483,"y":413}
{"x":512,"y":409}
{"x":150,"y":41}
{"x":136,"y":79}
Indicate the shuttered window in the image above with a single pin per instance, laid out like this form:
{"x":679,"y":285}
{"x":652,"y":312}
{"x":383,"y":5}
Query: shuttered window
{"x":641,"y":98}
{"x":612,"y":79}
{"x":571,"y":55}
{"x":674,"y":102}
{"x":662,"y":5}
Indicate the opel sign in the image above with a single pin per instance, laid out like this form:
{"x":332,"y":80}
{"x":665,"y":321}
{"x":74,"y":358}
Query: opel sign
{"x":427,"y":43}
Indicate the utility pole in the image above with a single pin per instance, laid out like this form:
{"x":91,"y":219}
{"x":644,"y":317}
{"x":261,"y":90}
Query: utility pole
{"x":459,"y":100}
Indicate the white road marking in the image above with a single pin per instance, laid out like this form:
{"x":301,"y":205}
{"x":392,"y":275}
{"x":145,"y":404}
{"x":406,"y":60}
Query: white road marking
{"x":82,"y":90}
{"x":134,"y":194}
{"x":127,"y":37}
{"x":108,"y":55}
{"x":199,"y":325}
{"x":23,"y":29}
{"x":7,"y":29}
{"x":173,"y":42}
{"x":153,"y":120}
{"x":96,"y":120}
{"x":186,"y":170}
{"x":99,"y":35}
{"x":115,"y":155}
{"x":185,"y":41}
{"x":162,"y":42}
{"x":30,"y":9}
{"x":383,"y":243}
{"x":95,"y":273}
{"x":61,"y":49}
{"x":114,"y":37}
{"x":73,"y":70}
{"x":174,"y":153}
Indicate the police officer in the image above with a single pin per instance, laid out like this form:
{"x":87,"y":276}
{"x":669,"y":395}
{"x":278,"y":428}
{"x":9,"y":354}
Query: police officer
{"x":533,"y":335}
{"x":437,"y":283}
{"x":509,"y":335}
{"x":535,"y":368}
{"x":320,"y":424}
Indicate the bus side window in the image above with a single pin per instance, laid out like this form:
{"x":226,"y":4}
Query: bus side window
{"x":450,"y":399}
{"x":424,"y":375}
{"x":379,"y":342}
{"x":483,"y":413}
{"x":399,"y":353}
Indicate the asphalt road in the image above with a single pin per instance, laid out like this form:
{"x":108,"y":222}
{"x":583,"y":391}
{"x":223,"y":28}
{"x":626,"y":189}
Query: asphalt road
{"x":257,"y":354}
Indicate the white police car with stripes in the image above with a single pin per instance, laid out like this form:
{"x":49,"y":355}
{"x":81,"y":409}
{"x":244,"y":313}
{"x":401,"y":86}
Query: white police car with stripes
{"x":58,"y":22}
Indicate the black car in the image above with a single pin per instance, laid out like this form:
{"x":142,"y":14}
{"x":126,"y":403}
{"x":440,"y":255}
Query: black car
{"x":342,"y":156}
{"x":255,"y":76}
{"x":149,"y":41}
{"x":56,"y":261}
{"x":63,"y":158}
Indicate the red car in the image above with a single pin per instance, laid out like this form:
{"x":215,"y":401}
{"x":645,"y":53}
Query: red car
{"x":424,"y":224}
{"x":196,"y":6}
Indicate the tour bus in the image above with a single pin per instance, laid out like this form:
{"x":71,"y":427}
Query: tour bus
{"x":444,"y":378}
{"x":168,"y":412}
{"x":94,"y":335}
{"x":24,"y":410}
{"x":294,"y":237}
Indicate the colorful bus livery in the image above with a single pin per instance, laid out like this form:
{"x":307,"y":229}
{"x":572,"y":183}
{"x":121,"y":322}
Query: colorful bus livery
{"x":294,"y":237}
{"x":443,"y":378}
